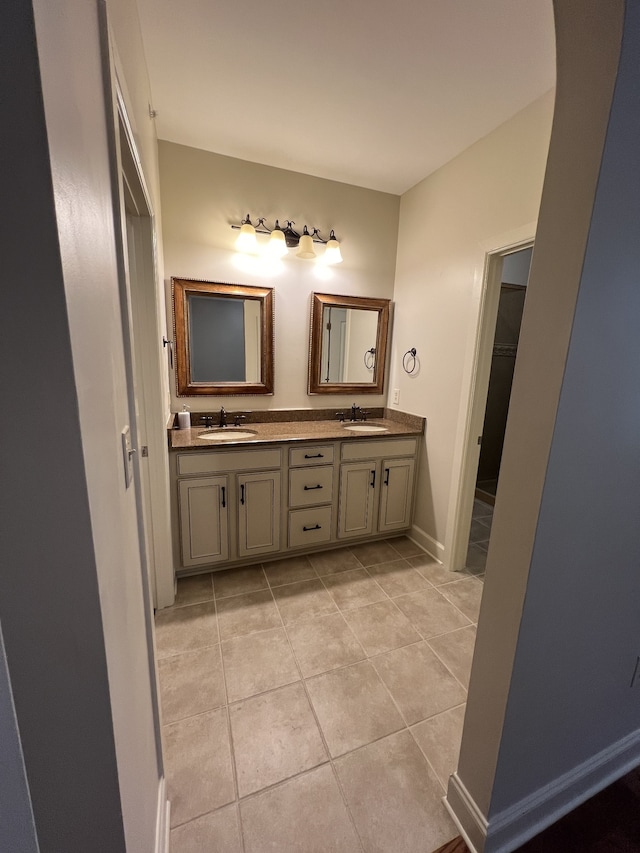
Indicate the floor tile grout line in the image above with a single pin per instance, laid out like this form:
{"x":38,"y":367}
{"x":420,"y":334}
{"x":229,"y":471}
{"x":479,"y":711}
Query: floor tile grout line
{"x":303,"y":679}
{"x":362,"y":568}
{"x":464,"y":615}
{"x":464,"y":686}
{"x":453,"y":604}
{"x":322,"y":735}
{"x":232,"y":755}
{"x":426,"y":758}
{"x":185,"y":652}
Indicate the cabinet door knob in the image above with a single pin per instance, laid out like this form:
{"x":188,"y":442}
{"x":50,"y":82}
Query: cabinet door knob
{"x":373,"y":479}
{"x":315,"y":527}
{"x":386,"y":476}
{"x":223,"y":497}
{"x":242,"y":493}
{"x":314,"y":455}
{"x":311,"y":488}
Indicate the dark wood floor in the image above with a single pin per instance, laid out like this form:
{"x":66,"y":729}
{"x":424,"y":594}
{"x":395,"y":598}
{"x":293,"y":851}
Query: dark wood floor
{"x":607,"y":823}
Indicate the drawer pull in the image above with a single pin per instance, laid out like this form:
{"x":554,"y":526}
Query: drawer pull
{"x":311,"y":488}
{"x":315,"y":527}
{"x":386,"y":476}
{"x":242,"y":493}
{"x":373,"y":479}
{"x":314,"y":455}
{"x":223,"y":497}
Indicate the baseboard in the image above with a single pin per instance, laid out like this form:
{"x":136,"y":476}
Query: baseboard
{"x":510,"y":828}
{"x":466,"y":815}
{"x":163,"y":822}
{"x":434,"y":548}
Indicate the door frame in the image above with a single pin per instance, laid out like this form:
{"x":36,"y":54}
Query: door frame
{"x":141,"y":275}
{"x":489,"y":300}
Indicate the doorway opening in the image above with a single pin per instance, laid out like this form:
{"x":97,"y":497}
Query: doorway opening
{"x":504,"y":290}
{"x":513,"y":288}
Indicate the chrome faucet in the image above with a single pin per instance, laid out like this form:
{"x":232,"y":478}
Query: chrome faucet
{"x":223,"y":417}
{"x":354,"y":412}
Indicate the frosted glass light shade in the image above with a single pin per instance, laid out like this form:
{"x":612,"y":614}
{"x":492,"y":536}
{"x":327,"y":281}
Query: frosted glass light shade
{"x":277,"y":245}
{"x":246,"y":241}
{"x":332,"y":254}
{"x":305,"y":247}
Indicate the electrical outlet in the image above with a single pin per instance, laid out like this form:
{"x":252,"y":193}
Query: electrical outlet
{"x":396,"y":396}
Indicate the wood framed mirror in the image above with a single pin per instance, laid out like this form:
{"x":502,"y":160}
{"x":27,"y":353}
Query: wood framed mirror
{"x":224,"y":338}
{"x":348,"y":344}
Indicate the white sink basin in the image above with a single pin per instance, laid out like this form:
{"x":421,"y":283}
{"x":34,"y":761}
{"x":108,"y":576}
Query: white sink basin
{"x":226,"y":434}
{"x":365,"y":428}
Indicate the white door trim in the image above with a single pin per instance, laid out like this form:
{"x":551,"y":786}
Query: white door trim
{"x":151,"y":409}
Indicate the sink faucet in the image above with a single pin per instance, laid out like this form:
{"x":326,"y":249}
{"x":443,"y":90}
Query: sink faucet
{"x":223,"y":417}
{"x":354,"y":412}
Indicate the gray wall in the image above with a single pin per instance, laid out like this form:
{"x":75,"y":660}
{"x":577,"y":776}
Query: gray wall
{"x":515,"y":267}
{"x":17,"y":830}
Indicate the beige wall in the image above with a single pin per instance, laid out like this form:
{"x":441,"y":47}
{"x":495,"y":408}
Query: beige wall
{"x":484,"y":199}
{"x":203,"y":193}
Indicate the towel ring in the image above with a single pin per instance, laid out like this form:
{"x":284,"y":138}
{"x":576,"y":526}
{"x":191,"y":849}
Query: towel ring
{"x":409,"y":358}
{"x":370,"y":358}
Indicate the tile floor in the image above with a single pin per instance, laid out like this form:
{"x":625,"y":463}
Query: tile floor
{"x":316,"y":703}
{"x":479,"y":536}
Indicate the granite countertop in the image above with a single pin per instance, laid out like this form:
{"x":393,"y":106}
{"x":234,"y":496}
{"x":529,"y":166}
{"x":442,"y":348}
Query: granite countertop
{"x":287,"y":431}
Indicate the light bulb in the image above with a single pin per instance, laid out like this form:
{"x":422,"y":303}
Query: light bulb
{"x":277,"y":245}
{"x":332,"y":253}
{"x":305,"y":246}
{"x":246,"y":241}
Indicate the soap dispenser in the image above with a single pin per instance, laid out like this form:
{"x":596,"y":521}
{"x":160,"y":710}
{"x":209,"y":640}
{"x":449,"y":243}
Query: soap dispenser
{"x":184,"y":418}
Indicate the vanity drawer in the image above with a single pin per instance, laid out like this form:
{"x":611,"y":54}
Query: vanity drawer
{"x":308,"y":486}
{"x":315,"y":455}
{"x":309,"y":526}
{"x":387,"y":448}
{"x":239,"y":460}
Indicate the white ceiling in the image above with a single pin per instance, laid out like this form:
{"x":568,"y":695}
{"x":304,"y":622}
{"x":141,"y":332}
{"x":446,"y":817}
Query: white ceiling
{"x":372,"y":93}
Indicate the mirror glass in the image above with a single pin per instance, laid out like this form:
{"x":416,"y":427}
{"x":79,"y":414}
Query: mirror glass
{"x":224,"y":338}
{"x":348,"y":344}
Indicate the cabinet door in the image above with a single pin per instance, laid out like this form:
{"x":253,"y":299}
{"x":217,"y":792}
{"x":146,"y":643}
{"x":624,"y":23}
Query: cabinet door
{"x":357,"y":491}
{"x":396,"y":492}
{"x":204,"y":525}
{"x":258,"y":513}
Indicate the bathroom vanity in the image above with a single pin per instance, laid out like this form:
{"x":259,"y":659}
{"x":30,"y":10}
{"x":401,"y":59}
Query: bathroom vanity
{"x":288,"y":488}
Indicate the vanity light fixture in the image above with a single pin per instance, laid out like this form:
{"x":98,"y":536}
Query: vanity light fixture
{"x":281,"y":239}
